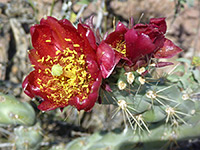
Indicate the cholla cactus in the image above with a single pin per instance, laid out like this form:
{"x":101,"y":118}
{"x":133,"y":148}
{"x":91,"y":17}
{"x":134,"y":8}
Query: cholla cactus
{"x":28,"y":138}
{"x":15,"y":112}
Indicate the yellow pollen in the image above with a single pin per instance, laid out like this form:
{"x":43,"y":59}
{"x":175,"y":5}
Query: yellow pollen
{"x":58,"y":51}
{"x":76,"y":45}
{"x":68,"y":40}
{"x":121,"y":47}
{"x":48,"y":41}
{"x":48,"y":58}
{"x":69,"y":74}
{"x":41,"y":60}
{"x":56,"y":70}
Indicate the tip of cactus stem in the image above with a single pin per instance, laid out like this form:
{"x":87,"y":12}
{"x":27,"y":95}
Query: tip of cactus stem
{"x":121,"y":85}
{"x":130,"y":77}
{"x":185,"y":96}
{"x":122,"y":104}
{"x":151,"y":94}
{"x":137,"y":121}
{"x":141,"y":121}
{"x":141,"y":70}
{"x":141,"y":80}
{"x":173,"y":115}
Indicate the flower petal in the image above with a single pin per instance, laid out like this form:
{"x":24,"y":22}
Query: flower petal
{"x":160,"y":23}
{"x":88,"y":34}
{"x":59,"y":33}
{"x":66,"y":22}
{"x":168,"y":50}
{"x":47,"y":106}
{"x":34,"y":57}
{"x":88,"y":103}
{"x":30,"y":86}
{"x":107,"y":59}
{"x":40,"y":40}
{"x":138,"y":45}
{"x":121,"y":27}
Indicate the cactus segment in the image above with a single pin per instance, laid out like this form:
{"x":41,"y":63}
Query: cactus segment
{"x":170,"y":100}
{"x":13,"y":111}
{"x":115,"y":140}
{"x":28,"y":138}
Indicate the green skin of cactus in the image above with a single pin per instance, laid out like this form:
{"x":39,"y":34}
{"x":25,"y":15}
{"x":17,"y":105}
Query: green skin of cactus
{"x":128,"y":140}
{"x":28,"y":138}
{"x":13,"y":111}
{"x":168,"y":94}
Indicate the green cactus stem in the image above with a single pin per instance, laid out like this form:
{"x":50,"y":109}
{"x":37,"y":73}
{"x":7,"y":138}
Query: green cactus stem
{"x":28,"y":138}
{"x":13,"y":111}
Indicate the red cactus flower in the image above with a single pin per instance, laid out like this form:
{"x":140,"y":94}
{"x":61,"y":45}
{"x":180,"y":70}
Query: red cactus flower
{"x":135,"y":44}
{"x":66,"y":71}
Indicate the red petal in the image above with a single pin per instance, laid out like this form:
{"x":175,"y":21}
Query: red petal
{"x":115,"y":37}
{"x":58,"y":32}
{"x":121,"y":27}
{"x":66,"y":22}
{"x":40,"y":35}
{"x":34,"y":57}
{"x":168,"y":50}
{"x":92,"y":66}
{"x":88,"y":34}
{"x":31,"y":88}
{"x":88,"y":103}
{"x":47,"y":106}
{"x":138,"y":45}
{"x":26,"y":87}
{"x":32,"y":29}
{"x":160,"y":23}
{"x":141,"y":28}
{"x":107,"y":59}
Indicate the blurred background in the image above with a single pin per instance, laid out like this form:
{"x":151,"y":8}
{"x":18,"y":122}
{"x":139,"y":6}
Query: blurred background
{"x":56,"y":127}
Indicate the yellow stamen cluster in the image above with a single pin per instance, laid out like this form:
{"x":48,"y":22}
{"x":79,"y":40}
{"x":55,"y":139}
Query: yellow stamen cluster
{"x":66,"y":76}
{"x":121,"y":47}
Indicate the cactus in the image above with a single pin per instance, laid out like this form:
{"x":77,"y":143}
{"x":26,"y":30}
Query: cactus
{"x":147,"y":100}
{"x":117,"y":140}
{"x":28,"y":138}
{"x":159,"y":110}
{"x":13,"y":111}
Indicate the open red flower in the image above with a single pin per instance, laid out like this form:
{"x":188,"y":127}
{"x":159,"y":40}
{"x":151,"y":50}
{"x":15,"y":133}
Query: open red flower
{"x":66,"y":71}
{"x":135,"y":44}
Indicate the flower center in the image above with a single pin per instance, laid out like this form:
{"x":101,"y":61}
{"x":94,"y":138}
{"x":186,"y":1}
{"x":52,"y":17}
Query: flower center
{"x":66,"y":76}
{"x":56,"y":70}
{"x":121,"y":47}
